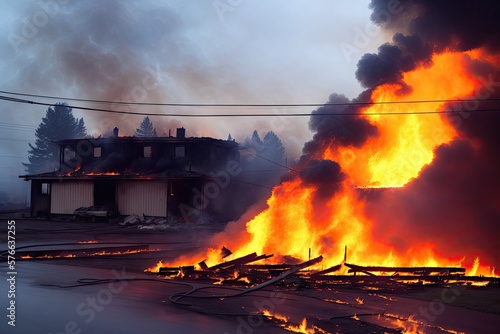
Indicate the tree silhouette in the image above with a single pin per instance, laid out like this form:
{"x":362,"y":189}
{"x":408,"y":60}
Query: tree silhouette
{"x":58,"y":123}
{"x":273,"y":147}
{"x":146,"y":129}
{"x":256,"y":138}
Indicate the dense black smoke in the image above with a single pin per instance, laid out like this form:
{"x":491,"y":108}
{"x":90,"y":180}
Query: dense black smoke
{"x":455,"y":202}
{"x":446,"y":24}
{"x":340,"y":130}
{"x":324,"y":175}
{"x":335,"y":124}
{"x":425,"y":27}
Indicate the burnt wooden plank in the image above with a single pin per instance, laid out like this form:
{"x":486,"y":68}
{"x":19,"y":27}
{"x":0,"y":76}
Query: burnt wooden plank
{"x":283,"y":266}
{"x":327,"y":271}
{"x":238,"y":261}
{"x":356,"y":268}
{"x":174,"y":270}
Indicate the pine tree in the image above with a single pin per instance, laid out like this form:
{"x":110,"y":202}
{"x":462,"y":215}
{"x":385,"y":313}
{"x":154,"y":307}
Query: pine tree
{"x":273,"y":147}
{"x":146,"y":129}
{"x":229,"y":138}
{"x":256,"y":139}
{"x":58,"y":123}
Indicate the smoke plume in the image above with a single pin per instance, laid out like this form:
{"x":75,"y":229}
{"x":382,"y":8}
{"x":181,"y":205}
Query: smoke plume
{"x":454,"y":204}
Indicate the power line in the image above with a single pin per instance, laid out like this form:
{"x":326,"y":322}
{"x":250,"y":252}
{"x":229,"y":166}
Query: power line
{"x":250,"y":115}
{"x":234,"y":105}
{"x":13,"y":156}
{"x":276,"y":163}
{"x":17,"y":125}
{"x":262,"y":170}
{"x":15,"y":129}
{"x":15,"y":139}
{"x":252,"y":184}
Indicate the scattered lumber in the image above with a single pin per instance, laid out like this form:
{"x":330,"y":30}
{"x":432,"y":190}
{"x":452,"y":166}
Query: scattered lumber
{"x":235,"y":262}
{"x":411,"y":270}
{"x":327,"y":271}
{"x":244,"y":271}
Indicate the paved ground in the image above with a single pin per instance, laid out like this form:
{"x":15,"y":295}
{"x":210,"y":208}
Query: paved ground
{"x":49,"y":297}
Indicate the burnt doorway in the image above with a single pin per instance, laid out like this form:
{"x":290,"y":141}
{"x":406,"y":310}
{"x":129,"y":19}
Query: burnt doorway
{"x":105,"y":193}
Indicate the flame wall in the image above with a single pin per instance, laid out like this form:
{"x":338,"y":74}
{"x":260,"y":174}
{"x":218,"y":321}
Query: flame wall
{"x":433,"y":194}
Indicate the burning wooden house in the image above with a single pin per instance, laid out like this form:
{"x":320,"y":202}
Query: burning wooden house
{"x":157,"y":176}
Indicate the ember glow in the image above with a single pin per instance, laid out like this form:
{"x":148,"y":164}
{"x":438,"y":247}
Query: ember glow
{"x":102,"y":173}
{"x":297,"y":220}
{"x":284,"y":321}
{"x":83,"y":253}
{"x":411,"y":326}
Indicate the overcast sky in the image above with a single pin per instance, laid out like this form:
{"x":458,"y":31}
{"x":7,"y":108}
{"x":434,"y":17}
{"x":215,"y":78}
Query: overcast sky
{"x":222,"y":51}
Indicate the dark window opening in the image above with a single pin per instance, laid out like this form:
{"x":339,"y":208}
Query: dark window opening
{"x":147,"y":151}
{"x":180,"y":151}
{"x":45,"y":189}
{"x":69,"y":154}
{"x":104,"y":193}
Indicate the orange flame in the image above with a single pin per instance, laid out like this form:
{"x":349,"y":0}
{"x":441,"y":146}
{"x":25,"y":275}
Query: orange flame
{"x":97,"y":253}
{"x":101,"y":173}
{"x":291,"y":224}
{"x":408,"y":326}
{"x":302,"y":328}
{"x":156,"y":268}
{"x":74,"y":171}
{"x":406,"y":140}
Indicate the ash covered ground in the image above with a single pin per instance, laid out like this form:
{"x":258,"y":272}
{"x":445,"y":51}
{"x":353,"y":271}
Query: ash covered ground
{"x":113,"y":294}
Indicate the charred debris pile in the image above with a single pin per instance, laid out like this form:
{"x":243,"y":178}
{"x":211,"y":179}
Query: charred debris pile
{"x":248,"y":271}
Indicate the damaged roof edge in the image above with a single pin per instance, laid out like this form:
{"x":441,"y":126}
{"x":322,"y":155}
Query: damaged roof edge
{"x":171,"y":175}
{"x":145,"y":140}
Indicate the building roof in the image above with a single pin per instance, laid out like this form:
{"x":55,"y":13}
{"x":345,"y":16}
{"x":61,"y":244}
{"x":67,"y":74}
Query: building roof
{"x":149,"y":140}
{"x":154,"y":175}
{"x":137,"y":168}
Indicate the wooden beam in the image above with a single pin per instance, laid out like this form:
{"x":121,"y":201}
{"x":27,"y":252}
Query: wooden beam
{"x":356,"y":268}
{"x":238,"y":261}
{"x":327,"y":271}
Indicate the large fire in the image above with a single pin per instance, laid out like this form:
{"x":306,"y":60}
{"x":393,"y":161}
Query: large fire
{"x":407,"y":140}
{"x":292,"y":224}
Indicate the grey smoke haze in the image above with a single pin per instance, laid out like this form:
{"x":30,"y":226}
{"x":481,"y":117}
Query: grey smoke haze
{"x":173,"y":51}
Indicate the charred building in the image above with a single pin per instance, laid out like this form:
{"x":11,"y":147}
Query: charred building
{"x":153,"y":176}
